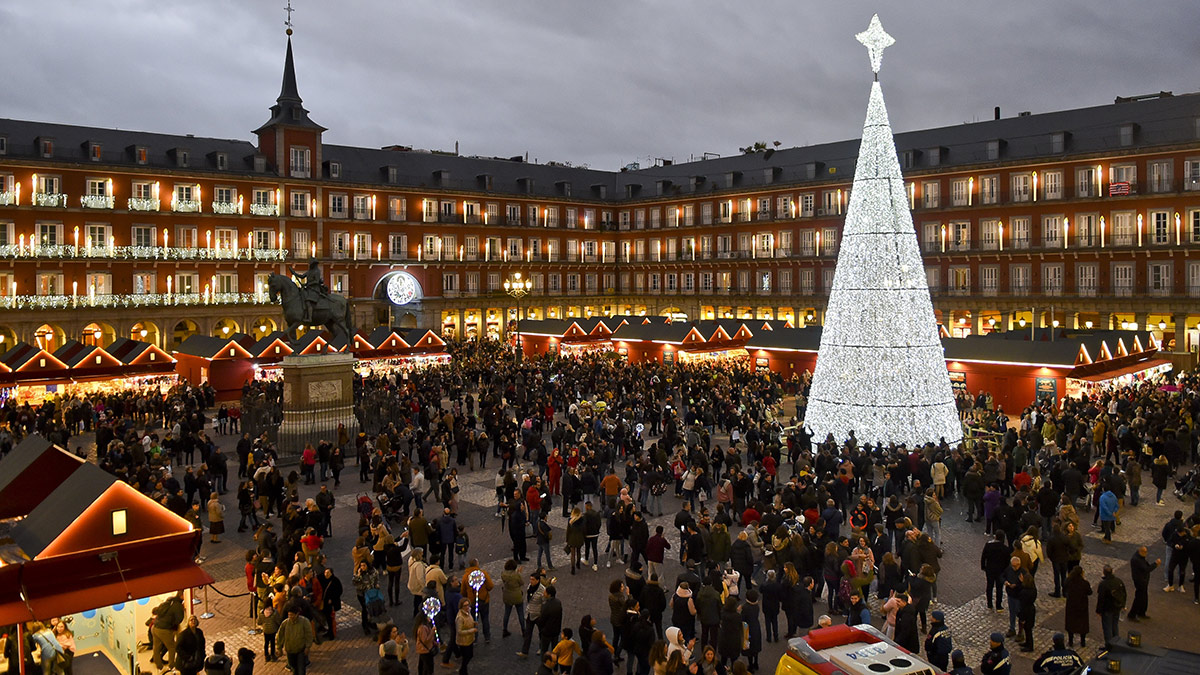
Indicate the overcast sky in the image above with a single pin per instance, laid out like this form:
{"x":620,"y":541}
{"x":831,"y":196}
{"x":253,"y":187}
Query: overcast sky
{"x":601,"y":82}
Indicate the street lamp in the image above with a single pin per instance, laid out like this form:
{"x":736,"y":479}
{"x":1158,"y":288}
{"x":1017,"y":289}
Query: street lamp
{"x":518,"y":288}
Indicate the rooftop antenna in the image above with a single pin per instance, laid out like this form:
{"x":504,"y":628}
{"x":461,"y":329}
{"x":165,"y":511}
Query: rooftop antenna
{"x":288,"y":21}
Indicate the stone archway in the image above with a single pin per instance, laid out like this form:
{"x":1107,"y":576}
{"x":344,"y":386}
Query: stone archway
{"x":98,"y":334}
{"x":182,"y":331}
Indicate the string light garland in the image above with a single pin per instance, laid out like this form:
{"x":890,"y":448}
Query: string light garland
{"x":881,"y":370}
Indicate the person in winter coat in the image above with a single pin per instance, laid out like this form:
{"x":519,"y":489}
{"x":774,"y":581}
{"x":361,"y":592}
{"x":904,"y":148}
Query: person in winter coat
{"x":741,"y":558}
{"x":1077,"y":590}
{"x":653,"y":601}
{"x":708,"y":612}
{"x":729,"y":635}
{"x":753,"y":644}
{"x":1110,"y":600}
{"x":906,"y":628}
{"x":216,"y":517}
{"x":190,"y":649}
{"x":937,"y":643}
{"x":1028,"y":613}
{"x":600,"y":655}
{"x":1159,"y":472}
{"x":772,"y":598}
{"x":719,"y":544}
{"x":683,"y":611}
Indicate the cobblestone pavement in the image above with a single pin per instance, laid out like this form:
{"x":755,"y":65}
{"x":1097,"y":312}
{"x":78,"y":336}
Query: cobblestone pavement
{"x":960,"y":585}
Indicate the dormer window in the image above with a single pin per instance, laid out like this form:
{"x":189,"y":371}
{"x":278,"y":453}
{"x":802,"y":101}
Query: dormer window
{"x":1125,"y":135}
{"x":3,"y":145}
{"x":995,"y":148}
{"x":181,"y":157}
{"x":1058,"y":142}
{"x":140,"y":155}
{"x":393,"y":175}
{"x":335,"y":169}
{"x":301,"y":162}
{"x":222,"y":161}
{"x":260,"y":164}
{"x":46,"y":147}
{"x":94,"y":152}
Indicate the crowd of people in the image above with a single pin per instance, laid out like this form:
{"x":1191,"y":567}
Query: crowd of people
{"x":770,"y":523}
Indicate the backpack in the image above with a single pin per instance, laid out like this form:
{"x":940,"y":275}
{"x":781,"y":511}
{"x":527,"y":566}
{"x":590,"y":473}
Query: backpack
{"x":844,"y":590}
{"x":376,"y":607}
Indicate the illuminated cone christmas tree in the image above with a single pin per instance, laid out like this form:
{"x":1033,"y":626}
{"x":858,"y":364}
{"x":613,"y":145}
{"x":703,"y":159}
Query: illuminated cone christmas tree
{"x":880,"y":370}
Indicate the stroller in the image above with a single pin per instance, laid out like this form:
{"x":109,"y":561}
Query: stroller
{"x":1188,"y":485}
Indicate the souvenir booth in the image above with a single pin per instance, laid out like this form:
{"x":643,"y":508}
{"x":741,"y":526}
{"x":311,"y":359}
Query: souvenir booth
{"x":79,"y":546}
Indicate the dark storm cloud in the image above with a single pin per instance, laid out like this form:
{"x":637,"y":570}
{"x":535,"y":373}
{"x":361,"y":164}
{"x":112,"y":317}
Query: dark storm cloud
{"x":602,"y":82}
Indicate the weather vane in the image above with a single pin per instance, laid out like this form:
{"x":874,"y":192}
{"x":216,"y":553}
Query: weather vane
{"x":288,"y":22}
{"x":875,"y":39}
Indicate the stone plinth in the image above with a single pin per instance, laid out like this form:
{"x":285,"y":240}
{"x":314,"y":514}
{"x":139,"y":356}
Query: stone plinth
{"x":318,"y":396}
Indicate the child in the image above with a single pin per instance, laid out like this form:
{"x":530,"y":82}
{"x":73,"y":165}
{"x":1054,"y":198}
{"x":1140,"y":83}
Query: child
{"x":269,"y":620}
{"x":565,"y":652}
{"x":462,"y":543}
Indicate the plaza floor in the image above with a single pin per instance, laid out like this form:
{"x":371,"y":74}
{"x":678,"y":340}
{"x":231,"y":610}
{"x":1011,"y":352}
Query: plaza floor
{"x":960,"y":593}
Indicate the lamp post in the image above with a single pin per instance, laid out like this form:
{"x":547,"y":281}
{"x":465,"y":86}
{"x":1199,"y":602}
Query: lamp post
{"x":518,"y":288}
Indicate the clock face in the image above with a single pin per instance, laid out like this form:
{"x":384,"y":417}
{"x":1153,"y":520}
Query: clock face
{"x":402,"y":289}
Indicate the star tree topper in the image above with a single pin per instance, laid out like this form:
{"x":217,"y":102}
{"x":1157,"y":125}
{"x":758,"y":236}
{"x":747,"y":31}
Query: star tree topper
{"x":875,"y":39}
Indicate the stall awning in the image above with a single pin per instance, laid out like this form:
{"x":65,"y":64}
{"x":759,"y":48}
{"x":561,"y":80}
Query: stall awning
{"x":1138,"y":367}
{"x":70,"y":600}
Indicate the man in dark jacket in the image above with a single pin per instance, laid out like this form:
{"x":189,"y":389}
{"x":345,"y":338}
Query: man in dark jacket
{"x":708,"y":611}
{"x":995,"y":661}
{"x":1110,"y":600}
{"x":937,"y":644}
{"x":1059,"y":659}
{"x":639,"y":537}
{"x":741,"y":558}
{"x":550,"y":621}
{"x":592,"y":523}
{"x":772,"y":599}
{"x":972,"y":491}
{"x":653,"y":601}
{"x":993,"y":561}
{"x":1140,"y":569}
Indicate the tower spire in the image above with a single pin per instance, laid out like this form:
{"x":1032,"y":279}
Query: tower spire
{"x":881,"y":370}
{"x":289,"y":107}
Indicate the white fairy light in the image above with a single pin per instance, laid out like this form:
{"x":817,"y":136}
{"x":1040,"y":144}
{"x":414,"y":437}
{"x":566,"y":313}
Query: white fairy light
{"x":881,"y":370}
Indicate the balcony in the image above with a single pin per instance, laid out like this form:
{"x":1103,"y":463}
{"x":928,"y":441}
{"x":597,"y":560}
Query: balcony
{"x":96,"y":201}
{"x":1122,"y":188}
{"x":43,"y":302}
{"x":142,"y":204}
{"x":448,"y":218}
{"x":450,"y":293}
{"x":257,"y":209}
{"x":339,"y":214}
{"x":227,"y":208}
{"x":51,"y":199}
{"x":142,"y":252}
{"x":185,"y":205}
{"x":726,"y":255}
{"x":362,"y":214}
{"x":10,"y":198}
{"x":473,"y":219}
{"x":512,"y":221}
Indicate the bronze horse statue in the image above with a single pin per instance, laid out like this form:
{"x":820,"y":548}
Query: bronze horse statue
{"x":331,"y":311}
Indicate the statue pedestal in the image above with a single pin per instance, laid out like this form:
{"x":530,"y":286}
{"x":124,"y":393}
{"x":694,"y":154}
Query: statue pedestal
{"x":318,"y":396}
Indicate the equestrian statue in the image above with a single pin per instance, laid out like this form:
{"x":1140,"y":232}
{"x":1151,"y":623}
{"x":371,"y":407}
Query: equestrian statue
{"x":311,"y":303}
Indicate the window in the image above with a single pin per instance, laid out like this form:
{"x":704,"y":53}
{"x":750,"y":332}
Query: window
{"x":222,"y":161}
{"x":449,"y":211}
{"x":930,"y":237}
{"x":300,"y":157}
{"x":1018,"y":279}
{"x":97,"y":187}
{"x":989,"y":279}
{"x":639,"y":219}
{"x":1160,"y":227}
{"x":783,"y":207}
{"x":472,"y":283}
{"x":225,"y":238}
{"x":807,"y":285}
{"x":624,"y":221}
{"x":362,"y":207}
{"x":398,"y":246}
{"x":960,"y":192}
{"x":655,"y":218}
{"x":785,"y":281}
{"x":1058,"y":142}
{"x":224,"y":195}
{"x":1052,"y":230}
{"x":533,"y":215}
{"x":300,"y":206}
{"x":764,"y":209}
{"x":1160,"y":176}
{"x":689,"y":215}
{"x":264,"y":240}
{"x":1159,"y":280}
{"x":47,"y":148}
{"x":514,"y":248}
{"x":143,"y":190}
{"x":689,"y":282}
{"x":1052,"y":185}
{"x":989,"y":190}
{"x":826,"y":280}
{"x":1194,"y":225}
{"x":470,"y":246}
{"x":51,"y":283}
{"x":1085,"y":279}
{"x":1122,"y":179}
{"x":807,"y":202}
{"x":1125,"y":135}
{"x":830,"y":204}
{"x":1020,"y":183}
{"x":726,"y":211}
{"x":706,"y":282}
{"x":1085,"y":183}
{"x":263,"y":197}
{"x":672,"y":282}
{"x":226,"y":283}
{"x":829,"y":241}
{"x":429,"y":247}
{"x":1191,"y":174}
{"x":335,"y":169}
{"x":1052,"y":279}
{"x":337,"y":206}
{"x":1019,"y":232}
{"x":3,"y":145}
{"x":1122,"y":229}
{"x":186,"y":236}
{"x":187,"y":283}
{"x":49,"y":234}
{"x":959,"y":280}
{"x":706,"y":246}
{"x":785,"y":242}
{"x":931,"y":194}
{"x":339,"y":282}
{"x":1122,"y":279}
{"x":989,"y":234}
{"x":144,"y":282}
{"x":1087,"y":231}
{"x":6,"y":238}
{"x":48,"y":185}
{"x":673,"y":216}
{"x":552,"y":216}
{"x":362,"y":245}
{"x":512,"y":214}
{"x":1193,"y":279}
{"x":960,"y":235}
{"x":764,"y":281}
{"x":397,"y":209}
{"x":744,"y":206}
{"x":142,"y":236}
{"x":301,"y":244}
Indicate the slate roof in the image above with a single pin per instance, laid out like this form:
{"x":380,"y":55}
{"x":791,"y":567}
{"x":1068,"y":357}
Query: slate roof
{"x":1159,"y":121}
{"x":805,"y":339}
{"x":670,"y":332}
{"x":72,"y":352}
{"x":34,"y":454}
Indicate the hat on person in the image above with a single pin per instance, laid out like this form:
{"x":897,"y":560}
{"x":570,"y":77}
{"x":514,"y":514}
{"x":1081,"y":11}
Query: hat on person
{"x":938,"y":615}
{"x":997,"y":638}
{"x":390,"y":648}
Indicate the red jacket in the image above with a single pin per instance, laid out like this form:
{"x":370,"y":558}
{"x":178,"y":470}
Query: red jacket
{"x":533,"y":498}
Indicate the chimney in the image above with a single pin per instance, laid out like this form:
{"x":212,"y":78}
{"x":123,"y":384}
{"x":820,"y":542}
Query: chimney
{"x":997,"y":112}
